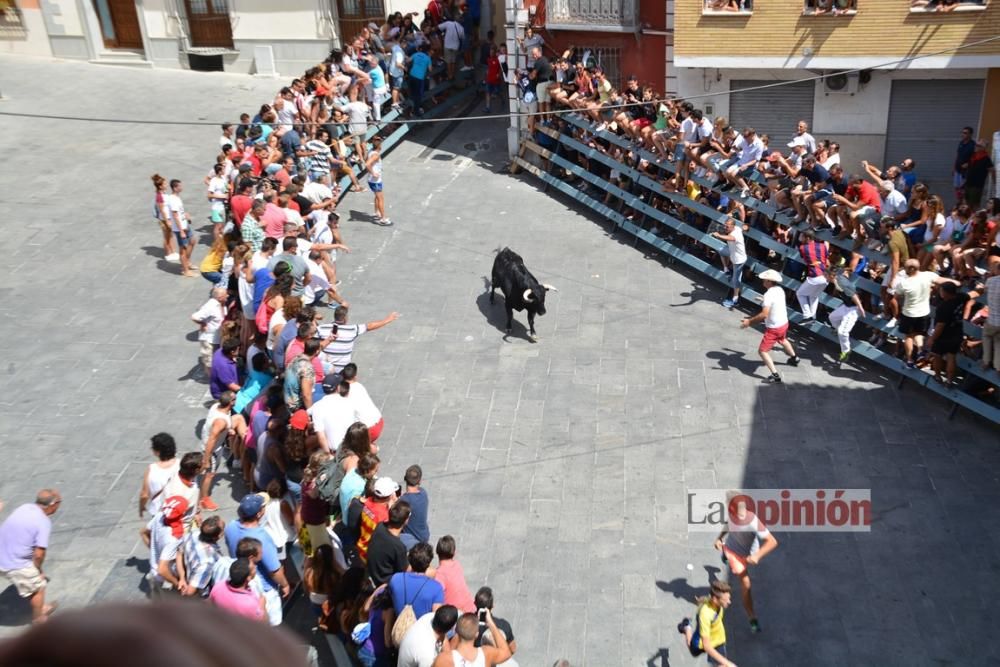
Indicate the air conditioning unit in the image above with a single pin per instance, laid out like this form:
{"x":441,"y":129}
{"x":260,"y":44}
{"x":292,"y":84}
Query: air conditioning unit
{"x":840,"y":83}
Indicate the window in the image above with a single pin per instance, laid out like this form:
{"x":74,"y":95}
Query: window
{"x":727,"y":7}
{"x":935,"y":6}
{"x":10,"y":16}
{"x":608,"y":58}
{"x":830,"y":8}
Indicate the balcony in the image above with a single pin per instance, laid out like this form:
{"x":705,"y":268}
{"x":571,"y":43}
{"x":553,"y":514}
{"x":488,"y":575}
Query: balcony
{"x":594,"y":15}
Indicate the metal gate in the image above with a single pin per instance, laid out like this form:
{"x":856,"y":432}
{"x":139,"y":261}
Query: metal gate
{"x":773,"y":111}
{"x":926,"y":118}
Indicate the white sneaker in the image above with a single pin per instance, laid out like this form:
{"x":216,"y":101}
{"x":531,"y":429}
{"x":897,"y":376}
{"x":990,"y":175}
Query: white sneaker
{"x":891,"y":323}
{"x":172,"y":257}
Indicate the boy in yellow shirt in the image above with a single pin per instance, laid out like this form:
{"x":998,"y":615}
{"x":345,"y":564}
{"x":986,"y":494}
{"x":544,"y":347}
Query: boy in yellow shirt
{"x":709,"y":636}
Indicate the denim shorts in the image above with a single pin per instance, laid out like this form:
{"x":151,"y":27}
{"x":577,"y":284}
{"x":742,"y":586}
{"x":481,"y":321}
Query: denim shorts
{"x":183,"y":241}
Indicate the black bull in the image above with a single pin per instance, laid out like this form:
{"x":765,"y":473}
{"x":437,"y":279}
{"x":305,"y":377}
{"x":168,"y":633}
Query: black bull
{"x":520,"y":289}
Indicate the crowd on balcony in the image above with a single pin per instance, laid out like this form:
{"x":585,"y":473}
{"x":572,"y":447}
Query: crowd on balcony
{"x":926,"y":274}
{"x":291,"y":423}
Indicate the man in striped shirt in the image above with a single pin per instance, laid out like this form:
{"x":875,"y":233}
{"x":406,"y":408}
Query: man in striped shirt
{"x":814,"y":256}
{"x":337,"y":354}
{"x":320,"y":155}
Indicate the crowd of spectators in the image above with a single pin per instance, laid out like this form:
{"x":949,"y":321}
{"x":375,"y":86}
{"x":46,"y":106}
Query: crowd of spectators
{"x":935,"y":268}
{"x":290,"y":420}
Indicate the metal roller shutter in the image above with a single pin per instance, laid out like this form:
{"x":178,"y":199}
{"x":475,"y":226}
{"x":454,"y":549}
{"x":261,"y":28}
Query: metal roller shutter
{"x":772,"y":111}
{"x":925,"y":122}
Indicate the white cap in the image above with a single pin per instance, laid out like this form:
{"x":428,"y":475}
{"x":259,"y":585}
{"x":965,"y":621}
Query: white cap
{"x":771,"y":275}
{"x":384,"y":487}
{"x":797,"y":141}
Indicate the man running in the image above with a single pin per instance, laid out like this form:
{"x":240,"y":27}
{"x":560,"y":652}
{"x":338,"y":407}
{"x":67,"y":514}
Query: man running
{"x":743,"y":544}
{"x":774,"y":315}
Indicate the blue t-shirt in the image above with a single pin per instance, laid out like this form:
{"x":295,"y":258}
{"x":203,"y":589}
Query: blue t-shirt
{"x":419,"y":65}
{"x":397,"y":52}
{"x":236,"y":531}
{"x":256,"y":381}
{"x":417,"y":590}
{"x":281,"y":343}
{"x":224,"y":373}
{"x":378,"y":77}
{"x":417,"y":525}
{"x":351,"y":486}
{"x":262,"y":279}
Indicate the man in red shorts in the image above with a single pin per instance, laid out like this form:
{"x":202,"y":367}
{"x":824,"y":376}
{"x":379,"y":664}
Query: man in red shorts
{"x":774,"y":314}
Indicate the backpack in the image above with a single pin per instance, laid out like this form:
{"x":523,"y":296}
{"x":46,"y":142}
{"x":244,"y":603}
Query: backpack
{"x":696,"y":635}
{"x":407,"y":617}
{"x":328,"y":481}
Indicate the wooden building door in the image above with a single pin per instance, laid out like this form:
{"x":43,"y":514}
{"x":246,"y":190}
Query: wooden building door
{"x":208,"y":22}
{"x":119,"y":24}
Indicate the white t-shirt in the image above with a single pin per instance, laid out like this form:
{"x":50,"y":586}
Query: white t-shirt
{"x":317,"y":284}
{"x":453,"y":34}
{"x":257,"y":262}
{"x":810,"y":142}
{"x":214,"y":415}
{"x":365,"y":409}
{"x":217,"y":186}
{"x":176,"y":209}
{"x":210,"y":315}
{"x":938,"y":221}
{"x":750,"y":152}
{"x":777,"y":314}
{"x":277,"y":320}
{"x":157,"y":481}
{"x":357,"y":113}
{"x":163,"y":545}
{"x":419,"y":645}
{"x":333,"y":415}
{"x":832,"y":160}
{"x":737,"y":248}
{"x":317,"y":192}
{"x":689,"y":130}
{"x":916,"y":293}
{"x":895,"y":204}
{"x":705,"y":130}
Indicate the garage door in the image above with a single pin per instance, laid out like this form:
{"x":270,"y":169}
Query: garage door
{"x":925,"y":122}
{"x":772,"y":111}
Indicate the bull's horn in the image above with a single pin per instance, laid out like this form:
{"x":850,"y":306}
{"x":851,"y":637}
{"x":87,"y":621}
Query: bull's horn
{"x":549,"y":287}
{"x":527,"y":296}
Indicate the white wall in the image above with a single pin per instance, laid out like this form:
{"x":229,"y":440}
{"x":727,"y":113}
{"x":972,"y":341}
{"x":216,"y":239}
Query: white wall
{"x":289,"y":19}
{"x":35,"y":41}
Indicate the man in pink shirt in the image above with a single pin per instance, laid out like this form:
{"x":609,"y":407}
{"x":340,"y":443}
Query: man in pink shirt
{"x":452,"y":578}
{"x":235,"y":595}
{"x":274,"y":217}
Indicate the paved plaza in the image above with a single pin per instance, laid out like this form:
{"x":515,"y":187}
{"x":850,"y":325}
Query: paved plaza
{"x":560,"y":467}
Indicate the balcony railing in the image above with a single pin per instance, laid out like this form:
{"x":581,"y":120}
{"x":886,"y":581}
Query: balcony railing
{"x":600,"y":15}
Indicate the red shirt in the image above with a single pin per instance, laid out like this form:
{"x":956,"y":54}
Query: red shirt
{"x":240,"y":205}
{"x":867,"y":195}
{"x":282,"y":177}
{"x":434,"y":7}
{"x":372,"y":514}
{"x":493,"y":70}
{"x":256,"y":165}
